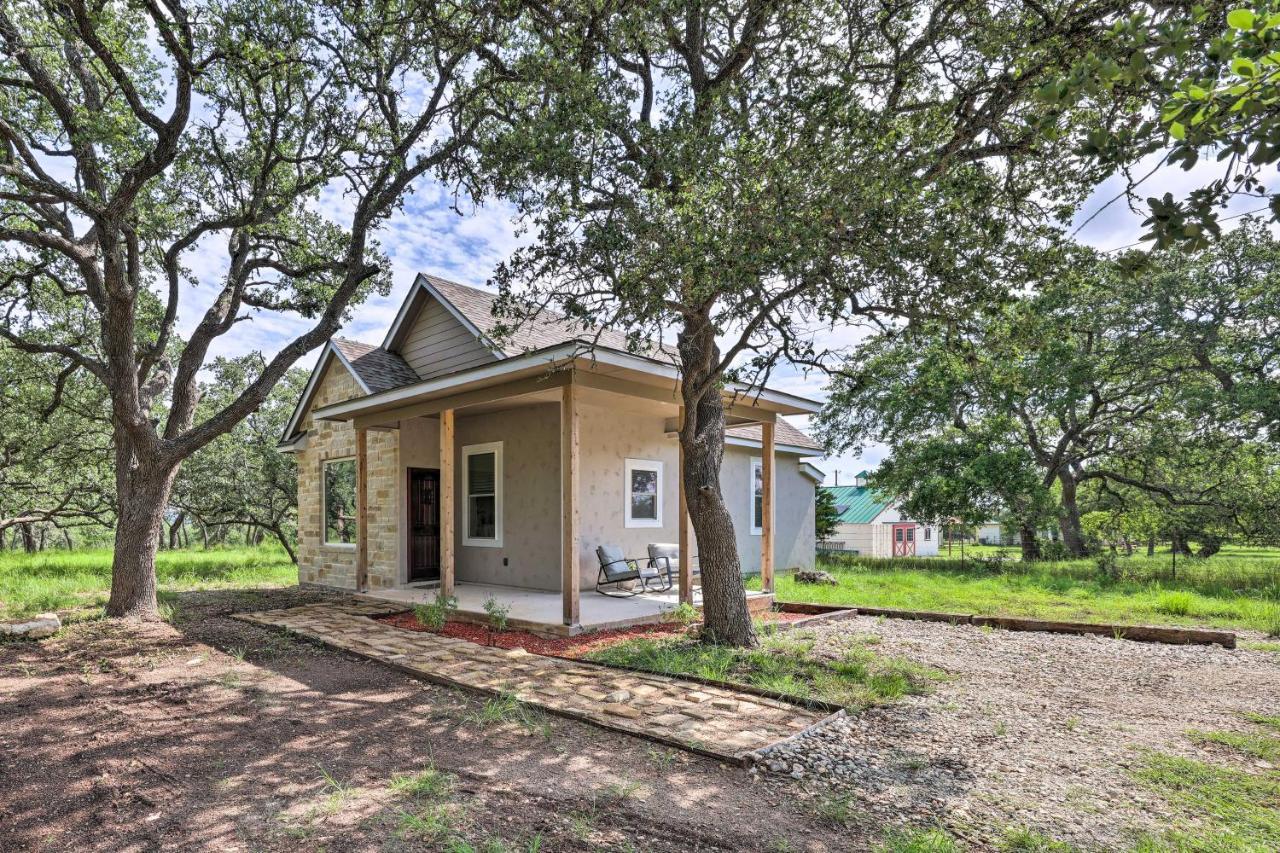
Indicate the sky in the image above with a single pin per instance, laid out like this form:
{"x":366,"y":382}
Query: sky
{"x":429,"y":235}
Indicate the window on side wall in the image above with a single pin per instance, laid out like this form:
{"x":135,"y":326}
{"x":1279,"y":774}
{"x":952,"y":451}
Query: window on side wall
{"x":643,"y":487}
{"x":482,"y":488}
{"x":339,"y":502}
{"x":928,"y":534}
{"x":757,"y":496}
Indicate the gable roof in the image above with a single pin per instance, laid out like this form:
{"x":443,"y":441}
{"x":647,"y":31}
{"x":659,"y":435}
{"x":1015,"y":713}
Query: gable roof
{"x":857,"y":504}
{"x":473,"y":307}
{"x":381,"y":369}
{"x":375,"y":368}
{"x":783,"y":434}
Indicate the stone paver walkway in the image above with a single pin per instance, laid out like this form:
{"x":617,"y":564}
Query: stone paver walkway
{"x":725,"y":724}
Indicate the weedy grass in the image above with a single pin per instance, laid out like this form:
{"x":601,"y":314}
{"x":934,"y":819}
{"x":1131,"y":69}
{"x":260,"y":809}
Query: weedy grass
{"x":783,"y":664}
{"x":917,"y":841}
{"x":76,"y":584}
{"x":1237,"y":589}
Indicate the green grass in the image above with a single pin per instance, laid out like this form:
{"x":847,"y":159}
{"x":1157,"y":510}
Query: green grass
{"x":1232,"y":810}
{"x":783,"y":664}
{"x":1229,"y":809}
{"x":1065,"y":591}
{"x":917,"y":841}
{"x":77,"y":584}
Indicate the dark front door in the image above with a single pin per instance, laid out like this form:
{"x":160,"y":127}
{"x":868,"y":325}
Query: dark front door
{"x":424,"y":524}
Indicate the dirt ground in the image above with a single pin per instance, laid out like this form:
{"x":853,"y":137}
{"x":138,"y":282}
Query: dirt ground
{"x":215,"y":734}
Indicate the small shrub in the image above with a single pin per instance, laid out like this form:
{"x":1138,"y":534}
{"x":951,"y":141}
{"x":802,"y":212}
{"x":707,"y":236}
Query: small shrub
{"x":685,"y":614}
{"x":1106,"y":564}
{"x":433,"y":616}
{"x":497,"y":617}
{"x":1176,"y":603}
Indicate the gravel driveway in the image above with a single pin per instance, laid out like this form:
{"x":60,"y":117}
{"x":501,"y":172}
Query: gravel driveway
{"x":1030,"y":730}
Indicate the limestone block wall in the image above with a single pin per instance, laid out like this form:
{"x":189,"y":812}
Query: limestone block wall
{"x":335,"y":565}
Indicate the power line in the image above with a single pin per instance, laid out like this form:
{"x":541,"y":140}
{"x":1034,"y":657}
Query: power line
{"x":1223,"y":219}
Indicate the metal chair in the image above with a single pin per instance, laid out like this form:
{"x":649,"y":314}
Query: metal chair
{"x":617,"y":569}
{"x":665,"y":557}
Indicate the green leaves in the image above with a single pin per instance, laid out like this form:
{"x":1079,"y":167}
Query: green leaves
{"x":1241,"y":19}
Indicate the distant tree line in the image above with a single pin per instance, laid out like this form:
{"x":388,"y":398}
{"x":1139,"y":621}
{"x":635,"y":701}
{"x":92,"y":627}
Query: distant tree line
{"x":1120,"y":403}
{"x":57,"y":481}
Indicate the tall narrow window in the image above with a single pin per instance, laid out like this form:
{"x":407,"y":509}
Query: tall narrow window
{"x":339,"y":501}
{"x":757,"y":496}
{"x":482,"y":486}
{"x":643,"y":496}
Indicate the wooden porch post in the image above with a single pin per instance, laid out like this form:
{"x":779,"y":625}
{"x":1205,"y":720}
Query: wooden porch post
{"x":362,"y":510}
{"x":569,"y":525}
{"x":686,"y":541}
{"x":766,"y":522}
{"x":446,"y":502}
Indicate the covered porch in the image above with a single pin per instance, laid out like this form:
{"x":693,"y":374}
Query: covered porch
{"x":541,"y":611}
{"x":576,"y":387}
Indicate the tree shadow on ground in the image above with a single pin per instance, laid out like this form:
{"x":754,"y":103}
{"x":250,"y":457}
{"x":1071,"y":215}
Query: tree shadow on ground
{"x":214,"y":732}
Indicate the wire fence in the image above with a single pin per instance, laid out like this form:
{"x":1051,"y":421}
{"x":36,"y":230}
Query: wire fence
{"x":1241,"y":568}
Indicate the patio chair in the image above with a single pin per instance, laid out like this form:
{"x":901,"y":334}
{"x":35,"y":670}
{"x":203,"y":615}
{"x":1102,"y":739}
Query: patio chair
{"x":665,"y":557}
{"x":616,"y":570}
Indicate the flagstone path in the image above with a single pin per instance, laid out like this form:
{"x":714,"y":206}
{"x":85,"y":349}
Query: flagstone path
{"x":722,"y":723}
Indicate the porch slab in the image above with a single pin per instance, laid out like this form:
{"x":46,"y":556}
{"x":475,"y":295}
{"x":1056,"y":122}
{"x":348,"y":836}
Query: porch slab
{"x":691,"y":716}
{"x":540,"y":610}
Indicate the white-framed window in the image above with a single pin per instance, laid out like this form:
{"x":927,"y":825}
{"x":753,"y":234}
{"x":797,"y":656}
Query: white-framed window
{"x":756,"y":484}
{"x":338,"y":500}
{"x":643,"y":493}
{"x":928,"y":533}
{"x":482,"y":495}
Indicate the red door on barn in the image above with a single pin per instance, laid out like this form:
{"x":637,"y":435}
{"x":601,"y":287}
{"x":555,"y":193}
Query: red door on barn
{"x":904,"y":540}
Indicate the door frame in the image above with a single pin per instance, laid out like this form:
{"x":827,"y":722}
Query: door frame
{"x":908,"y":548}
{"x":408,"y":522}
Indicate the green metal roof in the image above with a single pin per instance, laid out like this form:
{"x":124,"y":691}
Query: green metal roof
{"x":857,"y":504}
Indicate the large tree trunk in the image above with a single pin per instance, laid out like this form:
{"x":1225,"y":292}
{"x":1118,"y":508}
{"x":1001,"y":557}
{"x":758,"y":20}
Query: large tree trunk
{"x":28,"y":537}
{"x":285,"y":543}
{"x":726,"y":619}
{"x":143,"y":488}
{"x":175,"y":531}
{"x":1030,"y":542}
{"x":1069,"y":517}
{"x":1178,"y":543}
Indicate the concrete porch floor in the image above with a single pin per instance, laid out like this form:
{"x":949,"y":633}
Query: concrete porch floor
{"x":540,"y":610}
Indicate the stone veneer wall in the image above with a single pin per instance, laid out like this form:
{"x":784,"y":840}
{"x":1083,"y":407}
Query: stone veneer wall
{"x":330,"y":565}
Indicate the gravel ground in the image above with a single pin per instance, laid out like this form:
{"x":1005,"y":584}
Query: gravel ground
{"x":1029,"y":730}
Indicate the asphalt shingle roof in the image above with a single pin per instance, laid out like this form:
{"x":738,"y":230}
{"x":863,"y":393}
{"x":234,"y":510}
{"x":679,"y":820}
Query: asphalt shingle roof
{"x":783,"y":433}
{"x":548,"y":329}
{"x":383,"y":370}
{"x":857,"y":504}
{"x":379,"y":369}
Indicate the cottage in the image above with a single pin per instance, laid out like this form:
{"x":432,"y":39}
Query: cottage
{"x":443,"y":459}
{"x":871,"y":525}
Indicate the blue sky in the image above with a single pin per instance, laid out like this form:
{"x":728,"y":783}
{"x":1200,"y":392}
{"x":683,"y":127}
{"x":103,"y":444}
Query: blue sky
{"x":428,"y":235}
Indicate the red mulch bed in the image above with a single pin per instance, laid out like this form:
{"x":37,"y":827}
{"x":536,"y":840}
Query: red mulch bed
{"x":557,"y":647}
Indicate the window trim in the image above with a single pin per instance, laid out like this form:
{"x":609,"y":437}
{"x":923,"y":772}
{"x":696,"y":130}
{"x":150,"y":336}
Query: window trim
{"x":469,"y":450}
{"x":324,"y":503}
{"x":757,"y":464}
{"x":630,"y":465}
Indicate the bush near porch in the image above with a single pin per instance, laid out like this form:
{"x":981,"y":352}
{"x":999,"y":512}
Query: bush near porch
{"x":1239,"y":589}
